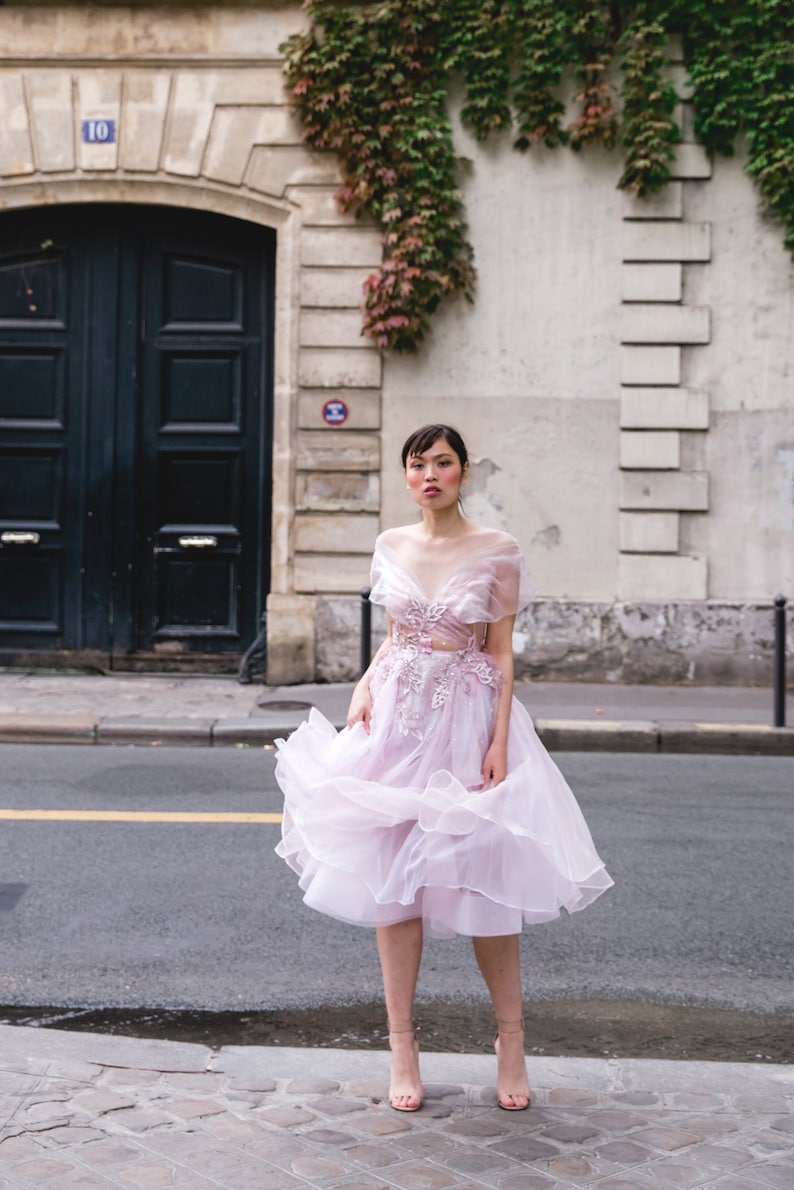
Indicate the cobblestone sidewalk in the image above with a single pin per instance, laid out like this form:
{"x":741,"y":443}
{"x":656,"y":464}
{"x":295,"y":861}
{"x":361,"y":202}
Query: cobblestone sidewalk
{"x":80,"y":1110}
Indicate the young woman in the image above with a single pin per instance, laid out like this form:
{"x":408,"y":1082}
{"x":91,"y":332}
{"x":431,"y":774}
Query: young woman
{"x":438,"y":811}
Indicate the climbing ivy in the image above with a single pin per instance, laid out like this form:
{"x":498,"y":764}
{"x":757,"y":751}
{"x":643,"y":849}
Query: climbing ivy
{"x":372,"y":82}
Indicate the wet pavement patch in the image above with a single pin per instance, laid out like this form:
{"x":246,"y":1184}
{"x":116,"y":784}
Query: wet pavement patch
{"x":571,"y":1028}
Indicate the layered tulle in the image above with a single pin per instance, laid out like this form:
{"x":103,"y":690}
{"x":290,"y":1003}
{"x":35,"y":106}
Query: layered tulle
{"x":395,"y":824}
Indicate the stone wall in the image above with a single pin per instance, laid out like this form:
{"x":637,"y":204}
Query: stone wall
{"x":623,"y":380}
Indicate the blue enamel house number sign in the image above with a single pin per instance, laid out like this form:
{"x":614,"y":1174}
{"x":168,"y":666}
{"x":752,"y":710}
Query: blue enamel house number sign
{"x":99,"y":132}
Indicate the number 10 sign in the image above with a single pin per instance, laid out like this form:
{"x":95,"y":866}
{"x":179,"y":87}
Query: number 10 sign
{"x":99,"y":132}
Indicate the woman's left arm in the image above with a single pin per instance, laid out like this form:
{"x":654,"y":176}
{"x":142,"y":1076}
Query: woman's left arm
{"x":499,"y":644}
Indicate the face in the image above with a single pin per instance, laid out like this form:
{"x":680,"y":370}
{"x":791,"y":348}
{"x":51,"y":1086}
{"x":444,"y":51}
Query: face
{"x":435,"y":477}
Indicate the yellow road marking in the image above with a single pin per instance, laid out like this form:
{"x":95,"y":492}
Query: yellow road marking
{"x":133,"y":816}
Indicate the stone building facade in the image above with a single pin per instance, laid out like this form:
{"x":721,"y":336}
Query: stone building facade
{"x":624,"y":378}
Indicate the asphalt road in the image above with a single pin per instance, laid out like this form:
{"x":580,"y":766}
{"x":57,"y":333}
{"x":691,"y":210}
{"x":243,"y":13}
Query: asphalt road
{"x":201,"y":914}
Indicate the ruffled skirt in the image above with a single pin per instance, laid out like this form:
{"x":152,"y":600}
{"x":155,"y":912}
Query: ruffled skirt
{"x":395,"y":824}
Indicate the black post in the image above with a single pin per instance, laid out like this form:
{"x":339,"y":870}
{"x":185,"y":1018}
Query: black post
{"x":780,"y":661}
{"x":366,"y":629}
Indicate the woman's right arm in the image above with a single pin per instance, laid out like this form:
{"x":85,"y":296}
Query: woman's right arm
{"x":360,"y":709}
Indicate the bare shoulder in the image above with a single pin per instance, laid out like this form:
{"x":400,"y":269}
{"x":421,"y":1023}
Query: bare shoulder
{"x":496,"y":539}
{"x":396,"y":536}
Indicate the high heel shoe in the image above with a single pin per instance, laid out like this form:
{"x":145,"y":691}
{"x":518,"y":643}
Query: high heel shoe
{"x":507,"y":1100}
{"x":405,"y":1100}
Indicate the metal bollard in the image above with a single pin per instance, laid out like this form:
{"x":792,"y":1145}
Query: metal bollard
{"x":780,"y":661}
{"x":366,"y":629}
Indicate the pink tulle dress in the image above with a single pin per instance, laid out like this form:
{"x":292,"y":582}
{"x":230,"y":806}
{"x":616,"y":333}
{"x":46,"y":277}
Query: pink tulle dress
{"x":395,"y":824}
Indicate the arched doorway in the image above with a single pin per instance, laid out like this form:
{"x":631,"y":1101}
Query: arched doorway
{"x":136,"y":349}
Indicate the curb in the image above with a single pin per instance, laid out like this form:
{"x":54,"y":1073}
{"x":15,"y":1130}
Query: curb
{"x":558,"y":735}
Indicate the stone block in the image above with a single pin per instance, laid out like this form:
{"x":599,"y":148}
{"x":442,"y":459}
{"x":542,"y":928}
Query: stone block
{"x":650,"y":449}
{"x":235,"y":130}
{"x":664,"y":409}
{"x":650,"y":365}
{"x":667,"y":203}
{"x":337,"y":491}
{"x":51,"y":119}
{"x":337,"y":450}
{"x":16,"y":150}
{"x":348,"y":367}
{"x":649,"y":532}
{"x":319,"y":207}
{"x":331,"y":328}
{"x":331,"y":288}
{"x":272,"y":168}
{"x":98,"y":96}
{"x":666,"y":241}
{"x":652,"y":282}
{"x":340,"y":534}
{"x":690,"y":161}
{"x":191,"y":108}
{"x":143,"y":114}
{"x":684,"y":491}
{"x":342,"y":247}
{"x":290,"y":639}
{"x":678,"y":75}
{"x":658,"y":577}
{"x":363,"y":406}
{"x":331,"y":572}
{"x":665,"y":323}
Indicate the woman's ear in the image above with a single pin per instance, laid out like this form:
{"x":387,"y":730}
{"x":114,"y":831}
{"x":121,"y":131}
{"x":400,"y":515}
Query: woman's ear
{"x":464,"y":475}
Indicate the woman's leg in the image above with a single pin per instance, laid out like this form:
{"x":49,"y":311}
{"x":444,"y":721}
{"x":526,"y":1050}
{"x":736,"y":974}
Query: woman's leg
{"x":499,"y":961}
{"x":400,"y":950}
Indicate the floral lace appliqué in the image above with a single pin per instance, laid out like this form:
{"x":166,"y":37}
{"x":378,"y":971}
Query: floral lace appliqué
{"x":418,"y":667}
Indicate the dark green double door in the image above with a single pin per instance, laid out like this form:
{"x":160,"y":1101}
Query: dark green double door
{"x":135,"y":381}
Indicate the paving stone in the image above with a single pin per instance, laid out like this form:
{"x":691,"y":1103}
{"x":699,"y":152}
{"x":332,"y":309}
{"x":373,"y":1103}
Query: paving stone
{"x":667,"y":1138}
{"x":573,"y":1166}
{"x":637,"y":1098}
{"x":526,"y":1148}
{"x":131,"y":1078}
{"x":109,"y":1151}
{"x":330,"y":1106}
{"x":442,"y":1090}
{"x":784,"y":1125}
{"x":771,"y":1142}
{"x":735,"y":1182}
{"x":437,"y":1111}
{"x":475,"y":1161}
{"x":699,"y":1100}
{"x":83,"y":1180}
{"x":14,"y":1148}
{"x":721,"y":1157}
{"x":70,"y":1134}
{"x":317,"y":1167}
{"x":709,"y":1126}
{"x":374,"y":1156}
{"x":207,"y":1082}
{"x":427,"y":1144}
{"x":42,"y":1115}
{"x":421,"y":1177}
{"x":230,"y":1127}
{"x":571,"y":1134}
{"x":527,"y":1181}
{"x":252,"y":1083}
{"x":311,"y":1086}
{"x":98,"y":1103}
{"x":616,"y":1121}
{"x":43,"y":1170}
{"x":622,"y":1182}
{"x":488,"y":1125}
{"x":572,"y":1097}
{"x":329,"y":1136}
{"x":153,"y":1175}
{"x":287,"y":1116}
{"x":191,"y":1109}
{"x":781,"y":1177}
{"x":383,"y":1125}
{"x":140,"y":1119}
{"x":624,"y":1152}
{"x":368,"y":1088}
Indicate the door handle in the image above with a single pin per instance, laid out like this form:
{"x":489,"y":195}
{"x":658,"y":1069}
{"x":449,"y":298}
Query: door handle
{"x":198,"y":542}
{"x":17,"y":537}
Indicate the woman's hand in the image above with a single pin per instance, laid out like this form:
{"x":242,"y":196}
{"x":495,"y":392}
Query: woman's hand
{"x":360,"y":709}
{"x":494,"y":766}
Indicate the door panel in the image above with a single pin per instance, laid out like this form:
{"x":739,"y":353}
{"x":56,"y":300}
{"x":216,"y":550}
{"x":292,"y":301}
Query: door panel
{"x":135,"y":378}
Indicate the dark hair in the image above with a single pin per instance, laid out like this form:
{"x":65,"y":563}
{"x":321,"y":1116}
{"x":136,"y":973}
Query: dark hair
{"x":421,"y":440}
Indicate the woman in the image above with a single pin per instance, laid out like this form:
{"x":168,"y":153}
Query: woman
{"x":437,"y":811}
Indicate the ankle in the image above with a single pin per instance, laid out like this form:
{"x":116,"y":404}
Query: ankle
{"x":510,"y":1026}
{"x":400,"y":1027}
